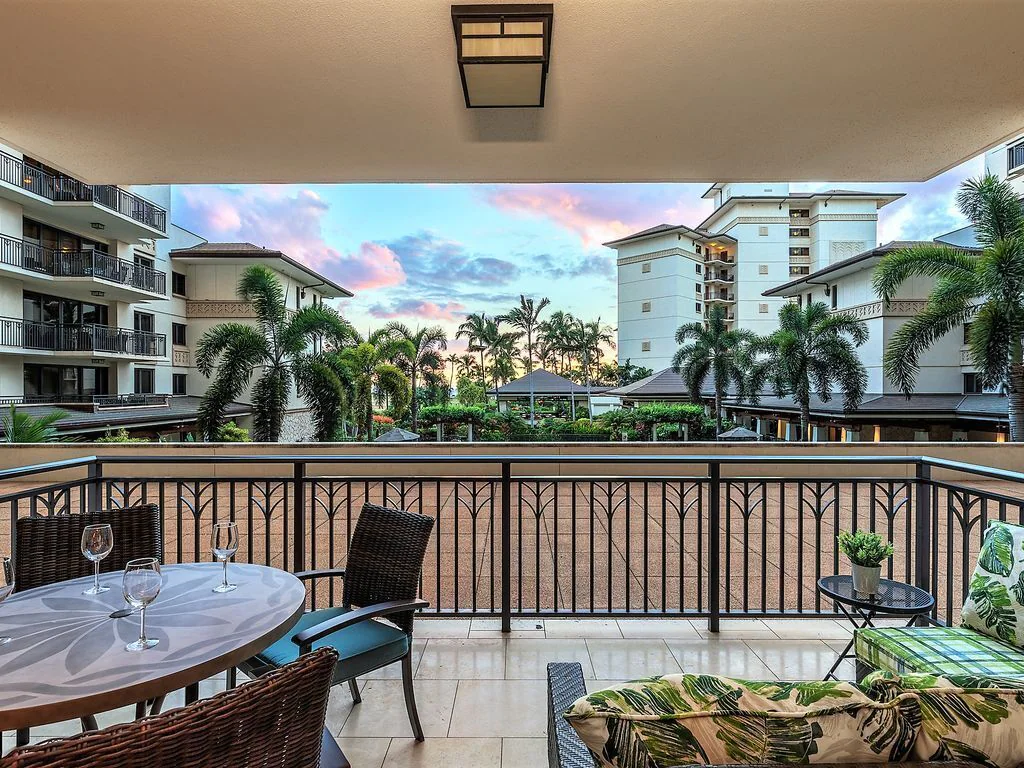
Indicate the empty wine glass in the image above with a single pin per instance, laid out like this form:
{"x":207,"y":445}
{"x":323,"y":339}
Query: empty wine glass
{"x":97,"y":542}
{"x":224,"y":543}
{"x":7,"y":588}
{"x":141,"y":585}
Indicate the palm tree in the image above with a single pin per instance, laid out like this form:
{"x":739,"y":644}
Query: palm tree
{"x":420,"y":356}
{"x":556,"y":332}
{"x":467,"y":365}
{"x":501,"y":345}
{"x":589,"y":338}
{"x":277,"y":344}
{"x":714,"y":350}
{"x":526,"y":317}
{"x":812,"y":351}
{"x":985,"y":289}
{"x":371,"y":372}
{"x":20,"y":427}
{"x":476,"y":328}
{"x":452,"y":360}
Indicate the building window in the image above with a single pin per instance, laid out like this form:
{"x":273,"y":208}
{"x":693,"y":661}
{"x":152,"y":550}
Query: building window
{"x":145,"y":381}
{"x":967,"y":333}
{"x":696,"y":287}
{"x":834,"y":295}
{"x":645,"y":346}
{"x":698,"y":307}
{"x":696,"y":248}
{"x":645,"y":307}
{"x":799,"y":213}
{"x":697,"y":268}
{"x":178,"y":334}
{"x":799,"y":232}
{"x":762,"y":231}
{"x":645,"y":267}
{"x":762,"y":269}
{"x":800,"y":251}
{"x":179,"y":383}
{"x":51,"y":382}
{"x":796,"y":269}
{"x":810,"y":297}
{"x":178,"y":283}
{"x":144,"y":261}
{"x":762,"y":309}
{"x":972,"y":384}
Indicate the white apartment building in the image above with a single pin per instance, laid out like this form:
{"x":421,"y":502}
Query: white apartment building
{"x":103,"y":299}
{"x":758,"y":236}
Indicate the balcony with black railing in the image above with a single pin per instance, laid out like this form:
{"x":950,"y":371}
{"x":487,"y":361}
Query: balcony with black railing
{"x":21,"y":334}
{"x":60,"y":188}
{"x":1015,"y":158}
{"x":88,"y":402}
{"x":89,"y":262}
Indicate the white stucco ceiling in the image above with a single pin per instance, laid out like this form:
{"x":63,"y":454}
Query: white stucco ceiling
{"x":152,"y":91}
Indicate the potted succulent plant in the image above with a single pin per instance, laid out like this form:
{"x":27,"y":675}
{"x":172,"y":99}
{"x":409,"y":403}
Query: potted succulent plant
{"x":867,"y":551}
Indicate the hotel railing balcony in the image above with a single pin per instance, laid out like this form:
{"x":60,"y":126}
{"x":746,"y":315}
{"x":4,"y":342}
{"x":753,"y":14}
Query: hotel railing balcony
{"x":719,"y":296}
{"x":61,"y":188}
{"x":718,"y":277}
{"x":56,"y":337}
{"x":1014,"y":157}
{"x":91,"y":402}
{"x":718,"y":257}
{"x":618,"y":533}
{"x":86,"y":263}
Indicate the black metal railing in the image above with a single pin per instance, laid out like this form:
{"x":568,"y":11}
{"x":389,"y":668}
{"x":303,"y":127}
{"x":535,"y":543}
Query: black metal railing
{"x":1014,"y":157}
{"x":704,"y":537}
{"x":55,"y":337}
{"x":98,"y":401}
{"x":61,"y":188}
{"x":85,"y":263}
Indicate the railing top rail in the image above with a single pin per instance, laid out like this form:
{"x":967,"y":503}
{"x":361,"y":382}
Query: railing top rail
{"x":50,"y":466}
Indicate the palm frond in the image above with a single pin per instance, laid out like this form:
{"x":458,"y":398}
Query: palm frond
{"x":938,"y":261}
{"x":993,"y":207}
{"x":260,"y":287}
{"x":901,"y":359}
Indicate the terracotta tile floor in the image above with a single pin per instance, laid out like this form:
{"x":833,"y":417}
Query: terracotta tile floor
{"x":482,"y":696}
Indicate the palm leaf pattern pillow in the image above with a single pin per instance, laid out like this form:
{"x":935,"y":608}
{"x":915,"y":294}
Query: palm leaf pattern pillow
{"x":706,"y":719}
{"x":995,"y":598}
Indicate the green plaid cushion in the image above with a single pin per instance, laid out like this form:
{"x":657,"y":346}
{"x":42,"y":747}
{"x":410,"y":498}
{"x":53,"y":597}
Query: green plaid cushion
{"x":938,"y":650}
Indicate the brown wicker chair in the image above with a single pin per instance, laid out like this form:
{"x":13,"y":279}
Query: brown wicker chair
{"x":48,"y":549}
{"x":277,"y":721}
{"x":381,"y":579}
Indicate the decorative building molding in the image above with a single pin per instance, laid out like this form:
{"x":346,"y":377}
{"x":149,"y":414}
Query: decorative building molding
{"x":181,"y":357}
{"x":844,"y":217}
{"x":220,"y":309}
{"x":965,"y":357}
{"x":665,"y":254}
{"x":801,"y":222}
{"x":898,"y":308}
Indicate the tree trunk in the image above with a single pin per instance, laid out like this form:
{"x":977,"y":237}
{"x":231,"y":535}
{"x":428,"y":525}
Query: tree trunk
{"x":483,"y":375}
{"x":1015,"y":401}
{"x":529,"y":370}
{"x":805,"y":420}
{"x":413,"y":405}
{"x":718,"y":412}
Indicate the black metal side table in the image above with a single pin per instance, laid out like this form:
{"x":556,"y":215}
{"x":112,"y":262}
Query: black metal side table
{"x":894,"y":599}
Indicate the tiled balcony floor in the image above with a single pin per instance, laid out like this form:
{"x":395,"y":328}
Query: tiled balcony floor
{"x":482,"y":696}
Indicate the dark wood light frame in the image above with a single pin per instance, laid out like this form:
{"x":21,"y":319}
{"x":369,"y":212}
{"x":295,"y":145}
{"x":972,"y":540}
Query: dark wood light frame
{"x":521,"y":12}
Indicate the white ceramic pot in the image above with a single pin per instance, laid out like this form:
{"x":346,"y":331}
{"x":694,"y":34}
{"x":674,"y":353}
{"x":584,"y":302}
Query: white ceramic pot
{"x":865,"y":578}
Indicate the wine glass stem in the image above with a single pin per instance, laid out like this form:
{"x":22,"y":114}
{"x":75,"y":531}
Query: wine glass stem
{"x":225,"y":582}
{"x":96,"y":575}
{"x":142,"y":626}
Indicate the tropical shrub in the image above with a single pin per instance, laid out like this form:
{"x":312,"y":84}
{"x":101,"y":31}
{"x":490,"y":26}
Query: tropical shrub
{"x":232,"y":433}
{"x":121,"y":436}
{"x":20,"y":427}
{"x":865,"y":548}
{"x":469,"y":392}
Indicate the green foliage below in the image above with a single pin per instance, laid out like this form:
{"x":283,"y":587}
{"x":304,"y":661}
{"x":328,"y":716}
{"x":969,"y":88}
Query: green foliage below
{"x":432,"y":415}
{"x":865,"y":548}
{"x":20,"y":427}
{"x":232,"y":433}
{"x":121,"y":436}
{"x":469,"y":392}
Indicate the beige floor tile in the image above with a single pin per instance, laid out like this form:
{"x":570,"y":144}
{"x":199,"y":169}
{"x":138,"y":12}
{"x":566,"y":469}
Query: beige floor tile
{"x":429,"y":628}
{"x":339,"y":706}
{"x":524,"y":753}
{"x":729,"y":658}
{"x":528,"y":659}
{"x":515,"y":634}
{"x":796,"y":659}
{"x":810,"y":629}
{"x":443,"y":753}
{"x":574,"y":628}
{"x":738,"y":629}
{"x":446,"y":659}
{"x":365,"y":753}
{"x":631,"y":659}
{"x":507,"y":708}
{"x":394,"y":671}
{"x":382,"y":712}
{"x":518,"y":625}
{"x":656,"y":628}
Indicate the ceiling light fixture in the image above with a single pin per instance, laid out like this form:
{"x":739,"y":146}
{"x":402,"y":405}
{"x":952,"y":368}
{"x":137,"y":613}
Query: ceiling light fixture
{"x":503,"y":53}
{"x":98,"y":225}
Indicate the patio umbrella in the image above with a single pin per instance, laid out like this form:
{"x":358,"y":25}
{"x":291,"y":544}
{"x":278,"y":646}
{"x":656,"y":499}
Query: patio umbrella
{"x":397,"y":435}
{"x":739,"y":433}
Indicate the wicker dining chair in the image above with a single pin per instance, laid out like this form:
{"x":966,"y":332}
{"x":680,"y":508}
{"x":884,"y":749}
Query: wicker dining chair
{"x":47,"y":549}
{"x":277,"y":720}
{"x":381,"y":580}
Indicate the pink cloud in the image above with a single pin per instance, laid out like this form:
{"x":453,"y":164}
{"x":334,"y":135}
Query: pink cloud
{"x":601,"y":212}
{"x":422,"y":311}
{"x":290,"y":221}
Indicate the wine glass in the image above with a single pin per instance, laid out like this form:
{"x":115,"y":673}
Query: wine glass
{"x":224,"y":543}
{"x":97,"y":542}
{"x":7,"y":589}
{"x":141,"y":585}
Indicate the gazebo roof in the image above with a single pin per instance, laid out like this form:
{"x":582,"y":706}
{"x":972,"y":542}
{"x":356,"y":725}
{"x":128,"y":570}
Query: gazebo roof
{"x":397,"y":435}
{"x":543,"y":383}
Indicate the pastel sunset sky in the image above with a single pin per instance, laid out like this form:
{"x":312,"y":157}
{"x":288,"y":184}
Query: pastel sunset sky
{"x":429,"y":254}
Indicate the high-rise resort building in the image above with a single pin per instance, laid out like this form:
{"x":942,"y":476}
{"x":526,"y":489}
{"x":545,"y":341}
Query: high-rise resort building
{"x":103,"y":300}
{"x":758,"y":236}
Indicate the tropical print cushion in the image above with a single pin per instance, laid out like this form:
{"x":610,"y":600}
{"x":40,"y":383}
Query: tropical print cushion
{"x":704,"y":719}
{"x":939,"y":650}
{"x":963,"y":718}
{"x":995,"y":597}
